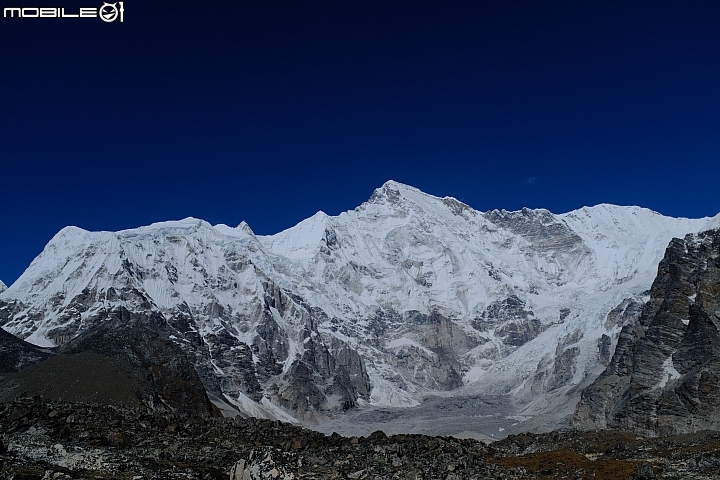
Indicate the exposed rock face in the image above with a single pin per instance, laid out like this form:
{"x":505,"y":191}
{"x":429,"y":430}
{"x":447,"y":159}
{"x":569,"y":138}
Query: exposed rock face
{"x":510,"y":321}
{"x":664,"y":376}
{"x":547,"y":236}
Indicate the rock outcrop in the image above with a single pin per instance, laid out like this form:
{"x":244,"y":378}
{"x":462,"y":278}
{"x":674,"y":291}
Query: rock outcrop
{"x":664,"y":376}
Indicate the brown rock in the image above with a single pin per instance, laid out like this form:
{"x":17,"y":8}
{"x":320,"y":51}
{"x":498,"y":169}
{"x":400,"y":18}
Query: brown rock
{"x":117,"y":439}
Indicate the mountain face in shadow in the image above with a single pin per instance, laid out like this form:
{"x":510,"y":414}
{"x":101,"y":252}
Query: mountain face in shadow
{"x":126,"y":360}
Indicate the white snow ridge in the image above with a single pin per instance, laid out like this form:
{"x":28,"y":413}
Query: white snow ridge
{"x":409,"y":301}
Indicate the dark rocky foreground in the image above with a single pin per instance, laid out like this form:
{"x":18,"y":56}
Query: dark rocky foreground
{"x":62,"y":440}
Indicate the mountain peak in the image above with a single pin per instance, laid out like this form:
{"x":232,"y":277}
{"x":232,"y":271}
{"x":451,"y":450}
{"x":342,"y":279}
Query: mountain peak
{"x":242,"y":230}
{"x":300,"y":242}
{"x":319,"y":216}
{"x":391,"y":192}
{"x":3,"y":287}
{"x":398,"y":186}
{"x":244,"y":227}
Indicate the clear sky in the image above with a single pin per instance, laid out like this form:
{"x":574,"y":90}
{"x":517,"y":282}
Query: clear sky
{"x":269,"y":111}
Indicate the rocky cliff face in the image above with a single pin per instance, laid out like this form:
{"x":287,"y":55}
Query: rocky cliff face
{"x":406,"y":296}
{"x":664,"y":376}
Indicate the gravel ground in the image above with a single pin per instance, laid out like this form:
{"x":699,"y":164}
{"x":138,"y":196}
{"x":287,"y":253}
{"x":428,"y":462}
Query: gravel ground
{"x":63,"y":440}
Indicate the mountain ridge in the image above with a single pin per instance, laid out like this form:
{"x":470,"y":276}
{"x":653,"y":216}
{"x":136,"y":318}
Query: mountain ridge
{"x":406,"y":296}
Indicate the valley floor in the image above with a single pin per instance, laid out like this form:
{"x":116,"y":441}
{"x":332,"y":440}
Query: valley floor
{"x":482,"y":417}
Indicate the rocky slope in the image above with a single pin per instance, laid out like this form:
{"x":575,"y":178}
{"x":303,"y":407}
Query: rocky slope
{"x":405,"y":297}
{"x":16,"y":354}
{"x":664,"y":376}
{"x":126,"y":359}
{"x":61,"y":441}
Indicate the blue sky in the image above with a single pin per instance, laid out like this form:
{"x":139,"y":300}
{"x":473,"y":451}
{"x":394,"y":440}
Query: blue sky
{"x":269,"y":111}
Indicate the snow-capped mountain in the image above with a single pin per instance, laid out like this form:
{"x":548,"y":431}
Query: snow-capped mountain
{"x":406,"y":296}
{"x":3,"y":287}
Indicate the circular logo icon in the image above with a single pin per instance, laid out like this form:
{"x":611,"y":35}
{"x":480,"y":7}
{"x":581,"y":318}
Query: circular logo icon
{"x":108,"y":12}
